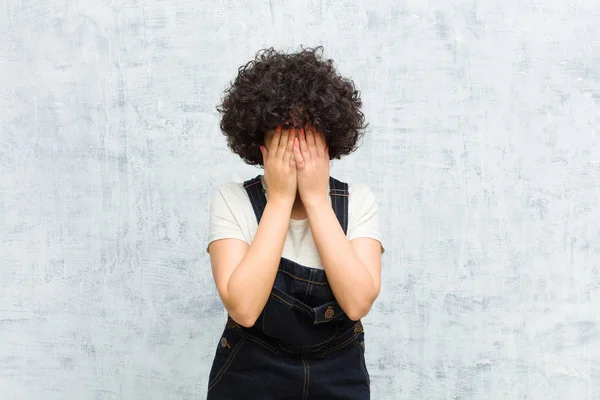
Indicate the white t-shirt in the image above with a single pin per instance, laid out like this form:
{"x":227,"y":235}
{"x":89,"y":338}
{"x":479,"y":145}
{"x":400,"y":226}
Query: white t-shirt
{"x":232,"y":217}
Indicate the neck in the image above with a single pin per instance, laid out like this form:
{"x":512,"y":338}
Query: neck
{"x":298,"y":210}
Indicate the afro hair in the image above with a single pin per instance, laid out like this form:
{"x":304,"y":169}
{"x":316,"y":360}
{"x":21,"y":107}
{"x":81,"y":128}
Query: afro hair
{"x":290,"y":90}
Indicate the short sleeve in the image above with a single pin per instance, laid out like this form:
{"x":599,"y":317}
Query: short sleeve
{"x":222,"y":221}
{"x":363,"y":214}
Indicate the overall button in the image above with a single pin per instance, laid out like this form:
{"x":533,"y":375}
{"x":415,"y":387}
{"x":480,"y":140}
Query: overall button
{"x":231,"y":323}
{"x":358,"y":327}
{"x":329,"y":312}
{"x":224,"y":343}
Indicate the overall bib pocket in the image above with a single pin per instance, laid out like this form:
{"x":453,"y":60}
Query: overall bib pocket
{"x":304,"y":326}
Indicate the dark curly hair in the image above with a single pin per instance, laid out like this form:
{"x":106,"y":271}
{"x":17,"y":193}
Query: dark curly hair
{"x":290,"y":89}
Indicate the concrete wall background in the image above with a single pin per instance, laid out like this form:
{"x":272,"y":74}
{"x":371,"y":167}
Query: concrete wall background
{"x":484,"y":147}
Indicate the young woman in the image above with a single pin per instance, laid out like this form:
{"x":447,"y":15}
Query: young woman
{"x":295,"y":254}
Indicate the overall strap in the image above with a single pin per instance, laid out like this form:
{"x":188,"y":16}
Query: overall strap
{"x":338,"y":192}
{"x":257,"y":196}
{"x":339,"y":201}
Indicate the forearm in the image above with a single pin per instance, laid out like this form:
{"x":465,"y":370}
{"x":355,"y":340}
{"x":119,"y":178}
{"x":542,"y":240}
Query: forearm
{"x":250,"y":283}
{"x":349,"y":278}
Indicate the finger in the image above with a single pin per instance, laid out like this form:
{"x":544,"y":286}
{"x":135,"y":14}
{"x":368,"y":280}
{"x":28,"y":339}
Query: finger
{"x":290,"y":146}
{"x":283,"y":142}
{"x":275,"y":141}
{"x":302,"y":144}
{"x":292,"y":160}
{"x":300,"y":163}
{"x":310,"y":141}
{"x":319,"y":144}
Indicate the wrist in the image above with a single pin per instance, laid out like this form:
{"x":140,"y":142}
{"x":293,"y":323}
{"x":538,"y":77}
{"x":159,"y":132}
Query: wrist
{"x":281,"y":201}
{"x":315,"y":201}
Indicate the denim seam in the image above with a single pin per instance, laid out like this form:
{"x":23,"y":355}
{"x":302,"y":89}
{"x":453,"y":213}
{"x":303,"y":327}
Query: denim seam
{"x":253,"y":201}
{"x":324,"y":343}
{"x":255,"y":197}
{"x":362,"y":362}
{"x":262,"y":198}
{"x":345,"y":210}
{"x":260,"y":343}
{"x":291,"y":305}
{"x":339,"y":346}
{"x":309,"y":291}
{"x":304,"y":280}
{"x":306,"y":379}
{"x":227,"y":363}
{"x":251,"y":183}
{"x":308,"y":288}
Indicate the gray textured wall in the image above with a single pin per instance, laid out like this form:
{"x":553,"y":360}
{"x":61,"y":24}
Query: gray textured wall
{"x":484,"y":147}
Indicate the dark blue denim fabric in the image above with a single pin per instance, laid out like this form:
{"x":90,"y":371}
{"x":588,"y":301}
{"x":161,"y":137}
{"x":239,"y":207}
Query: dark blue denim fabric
{"x":303,"y":346}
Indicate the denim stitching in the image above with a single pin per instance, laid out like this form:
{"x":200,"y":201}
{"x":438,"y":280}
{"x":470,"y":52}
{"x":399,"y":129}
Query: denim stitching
{"x":257,"y":212}
{"x":227,"y":363}
{"x":339,"y":192}
{"x":339,"y":346}
{"x":345,"y":209}
{"x":308,"y":288}
{"x":306,"y":380}
{"x":343,"y":334}
{"x":334,"y":200}
{"x":261,"y":197}
{"x":363,"y":366}
{"x":256,"y":340}
{"x":318,"y":345}
{"x":322,"y":344}
{"x":251,"y":183}
{"x":302,"y":279}
{"x":257,"y":202}
{"x":340,"y":201}
{"x":308,"y":292}
{"x":291,"y":305}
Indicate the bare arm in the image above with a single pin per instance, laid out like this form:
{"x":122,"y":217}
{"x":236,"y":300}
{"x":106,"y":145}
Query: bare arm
{"x":244,"y":274}
{"x":353,"y":268}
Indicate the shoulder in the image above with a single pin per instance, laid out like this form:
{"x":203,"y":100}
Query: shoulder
{"x":361,"y":195}
{"x":359,"y":189}
{"x":235,"y":190}
{"x":231,"y":190}
{"x":231,"y":199}
{"x":231,"y":213}
{"x":363,"y":208}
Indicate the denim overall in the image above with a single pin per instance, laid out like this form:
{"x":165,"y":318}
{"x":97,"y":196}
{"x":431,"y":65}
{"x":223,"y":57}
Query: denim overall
{"x":303,"y":346}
